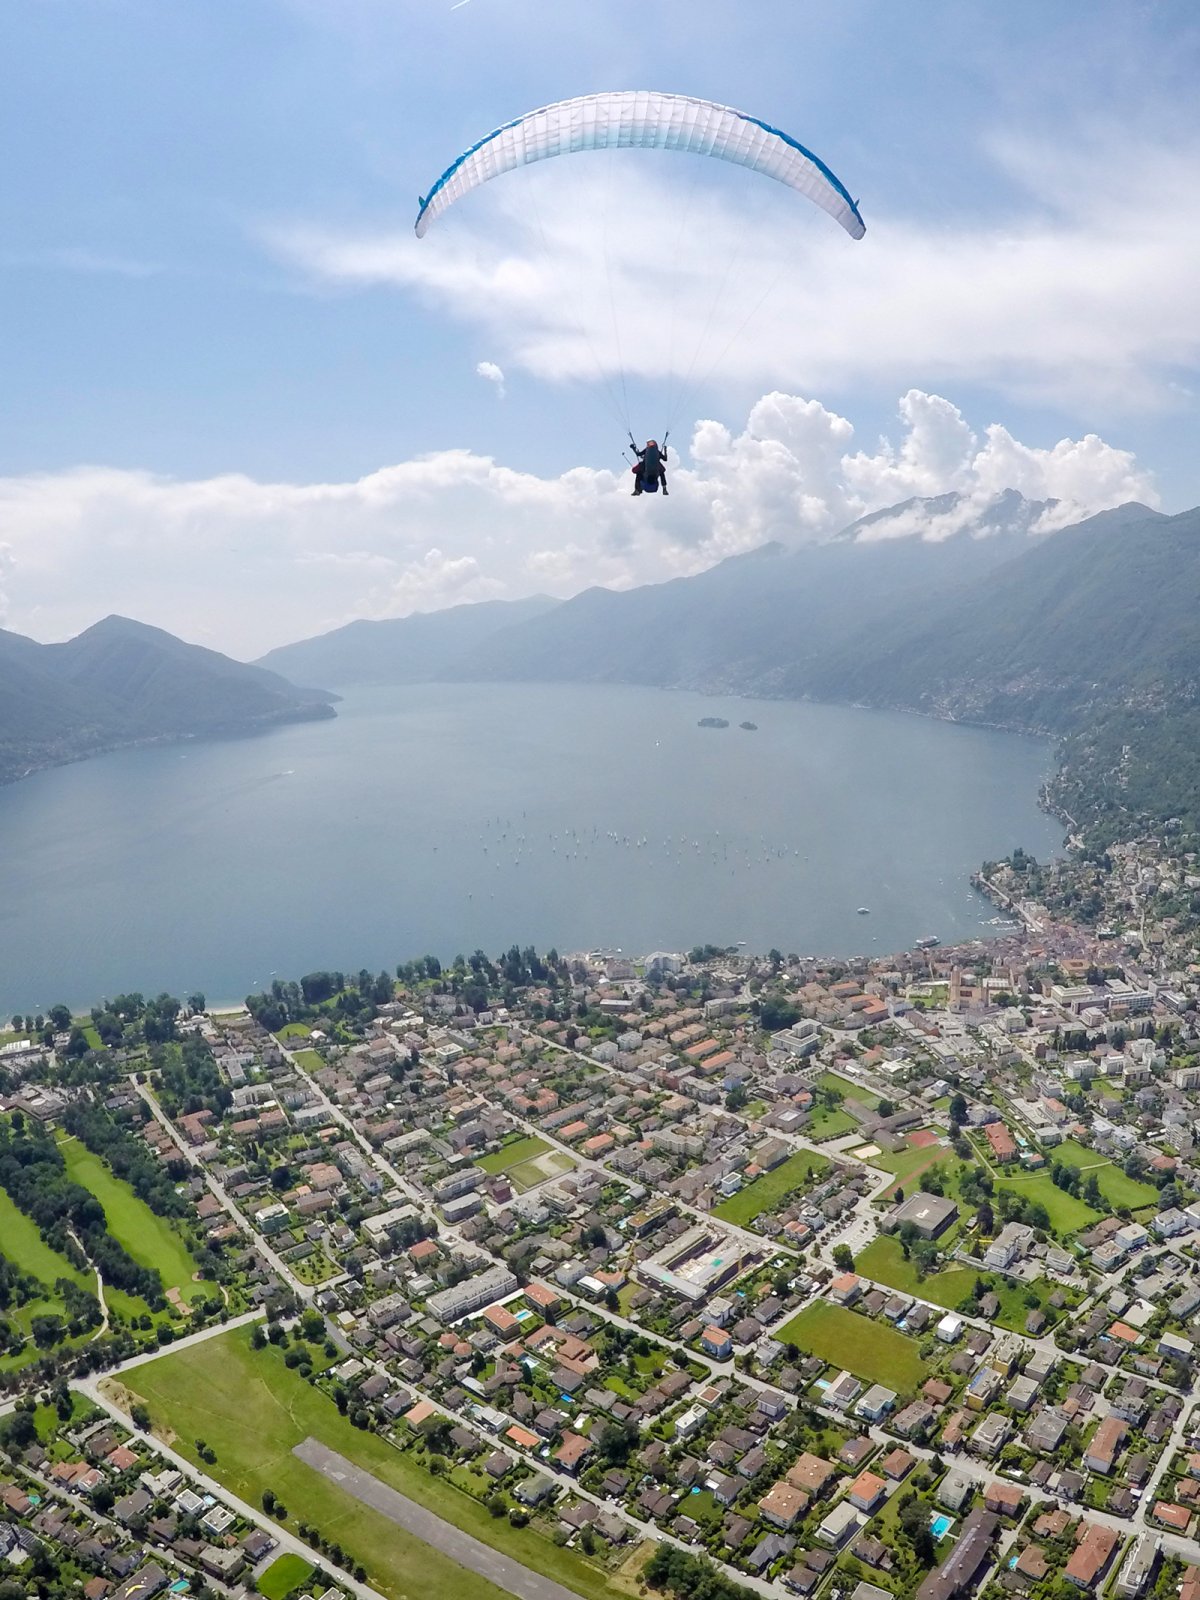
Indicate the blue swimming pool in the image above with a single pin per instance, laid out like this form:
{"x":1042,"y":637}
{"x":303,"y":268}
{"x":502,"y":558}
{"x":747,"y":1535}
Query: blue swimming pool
{"x":940,"y":1524}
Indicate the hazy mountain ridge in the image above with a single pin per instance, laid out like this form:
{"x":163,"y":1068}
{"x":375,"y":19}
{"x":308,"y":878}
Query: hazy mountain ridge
{"x":416,"y":649}
{"x":122,"y":682}
{"x":948,"y":605}
{"x":758,"y":624}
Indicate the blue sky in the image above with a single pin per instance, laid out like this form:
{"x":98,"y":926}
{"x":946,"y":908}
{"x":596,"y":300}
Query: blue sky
{"x":208,"y":286}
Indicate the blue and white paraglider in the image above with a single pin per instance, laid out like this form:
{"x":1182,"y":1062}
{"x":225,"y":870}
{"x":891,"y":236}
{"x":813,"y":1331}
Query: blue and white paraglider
{"x":638,"y":119}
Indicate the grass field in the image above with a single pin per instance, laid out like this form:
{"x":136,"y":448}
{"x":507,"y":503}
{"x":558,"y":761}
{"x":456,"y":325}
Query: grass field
{"x":511,"y":1155}
{"x":871,"y":1350}
{"x":883,"y":1260}
{"x":294,"y":1030}
{"x":252,"y":1410}
{"x":309,"y":1060}
{"x":1116,"y":1188}
{"x":536,"y":1170}
{"x":1067,"y":1215}
{"x":285,"y":1573}
{"x":772,"y":1189}
{"x":851,"y":1091}
{"x":149,"y":1239}
{"x":827,"y":1124}
{"x":912,"y":1159}
{"x":24,"y":1246}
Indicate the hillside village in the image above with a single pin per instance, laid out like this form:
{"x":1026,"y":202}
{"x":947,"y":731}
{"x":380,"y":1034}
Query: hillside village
{"x":855,"y":1279}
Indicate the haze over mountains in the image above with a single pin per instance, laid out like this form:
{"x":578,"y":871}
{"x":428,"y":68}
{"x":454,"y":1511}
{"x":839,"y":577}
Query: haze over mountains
{"x":122,"y":682}
{"x":941,"y":606}
{"x":994,"y":622}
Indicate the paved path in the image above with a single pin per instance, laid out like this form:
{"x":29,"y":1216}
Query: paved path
{"x":213,"y":1332}
{"x":469,"y":1552}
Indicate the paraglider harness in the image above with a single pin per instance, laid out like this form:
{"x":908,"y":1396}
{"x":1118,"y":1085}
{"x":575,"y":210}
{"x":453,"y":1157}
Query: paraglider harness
{"x":650,"y":468}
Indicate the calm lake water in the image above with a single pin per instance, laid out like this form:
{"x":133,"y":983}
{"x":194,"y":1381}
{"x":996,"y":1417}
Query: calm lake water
{"x":446,"y":817}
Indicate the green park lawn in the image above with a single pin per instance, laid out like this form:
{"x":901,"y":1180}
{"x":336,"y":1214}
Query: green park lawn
{"x":851,"y":1091}
{"x":285,"y":1573}
{"x":309,"y":1060}
{"x":251,"y":1410}
{"x":827,"y":1124}
{"x":293,"y":1030}
{"x":1067,"y":1214}
{"x":553,"y":1164}
{"x":511,"y":1155}
{"x":1113,"y":1184}
{"x":883,"y":1261}
{"x":148,"y":1238}
{"x":911,"y":1161}
{"x":769,"y":1192}
{"x":871,"y":1350}
{"x":25,"y":1248}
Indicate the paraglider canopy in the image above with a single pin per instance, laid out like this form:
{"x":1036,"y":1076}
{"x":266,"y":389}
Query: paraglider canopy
{"x":643,"y":119}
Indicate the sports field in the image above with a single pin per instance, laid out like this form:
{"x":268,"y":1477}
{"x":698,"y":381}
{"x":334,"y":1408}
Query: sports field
{"x":252,"y":1410}
{"x":871,"y":1350}
{"x":148,"y":1238}
{"x":770,"y":1191}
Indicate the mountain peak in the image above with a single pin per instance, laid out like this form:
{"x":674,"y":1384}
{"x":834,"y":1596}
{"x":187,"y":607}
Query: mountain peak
{"x":936,"y":518}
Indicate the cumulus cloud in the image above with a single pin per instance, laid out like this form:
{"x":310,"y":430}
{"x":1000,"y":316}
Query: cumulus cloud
{"x":245,"y":565}
{"x":489,"y":371}
{"x":1085,"y":290}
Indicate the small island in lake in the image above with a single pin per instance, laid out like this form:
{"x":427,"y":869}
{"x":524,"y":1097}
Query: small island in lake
{"x":712,"y":722}
{"x":750,"y":727}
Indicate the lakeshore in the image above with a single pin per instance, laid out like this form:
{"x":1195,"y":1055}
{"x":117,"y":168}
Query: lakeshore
{"x":452,"y":816}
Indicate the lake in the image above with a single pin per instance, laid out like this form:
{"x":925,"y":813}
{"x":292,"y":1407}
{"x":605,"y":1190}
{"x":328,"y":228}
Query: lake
{"x":447,"y":817}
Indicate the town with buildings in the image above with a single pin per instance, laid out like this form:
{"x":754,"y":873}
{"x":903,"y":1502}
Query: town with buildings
{"x":853,"y":1279}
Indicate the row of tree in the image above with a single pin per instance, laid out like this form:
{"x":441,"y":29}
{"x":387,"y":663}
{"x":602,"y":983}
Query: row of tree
{"x":33,"y":1173}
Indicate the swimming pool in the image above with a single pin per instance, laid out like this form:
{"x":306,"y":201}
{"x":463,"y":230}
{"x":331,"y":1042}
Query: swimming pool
{"x":940,"y":1524}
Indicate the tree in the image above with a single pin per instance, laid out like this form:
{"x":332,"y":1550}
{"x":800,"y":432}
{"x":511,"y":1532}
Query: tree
{"x":843,"y":1258}
{"x":885,"y":1108}
{"x":958,"y":1109}
{"x":617,"y":1442}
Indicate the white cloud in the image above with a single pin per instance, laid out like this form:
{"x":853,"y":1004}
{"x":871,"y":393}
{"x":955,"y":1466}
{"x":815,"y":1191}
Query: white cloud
{"x":489,"y":371}
{"x":245,"y":565}
{"x":1084,"y":292}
